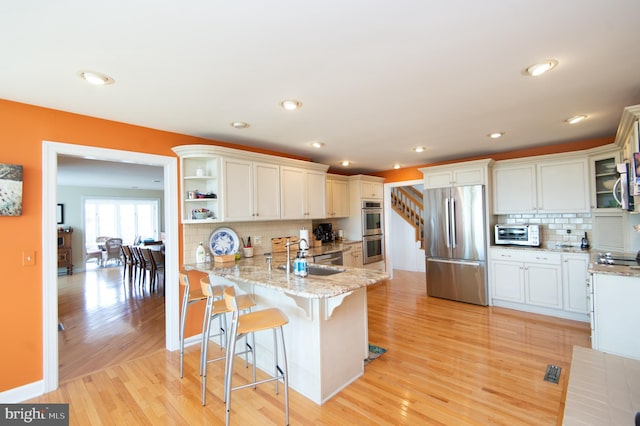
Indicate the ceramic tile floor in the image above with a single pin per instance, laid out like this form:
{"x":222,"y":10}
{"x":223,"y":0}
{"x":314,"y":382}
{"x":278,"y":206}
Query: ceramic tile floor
{"x":603,"y":389}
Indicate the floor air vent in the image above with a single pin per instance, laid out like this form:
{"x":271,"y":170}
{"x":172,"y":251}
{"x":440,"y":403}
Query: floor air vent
{"x":553,"y":373}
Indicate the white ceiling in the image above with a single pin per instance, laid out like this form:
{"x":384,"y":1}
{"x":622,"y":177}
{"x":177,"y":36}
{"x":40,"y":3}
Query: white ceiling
{"x":76,"y":171}
{"x":376,"y":78}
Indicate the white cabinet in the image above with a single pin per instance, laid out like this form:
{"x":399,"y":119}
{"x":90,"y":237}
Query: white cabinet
{"x":558,"y":185}
{"x":302,"y":193}
{"x":252,"y":190}
{"x":563,"y":186}
{"x":240,"y":185}
{"x":337,"y":196}
{"x":200,"y":178}
{"x":616,"y":317}
{"x":457,"y":174}
{"x":353,"y":256}
{"x":507,"y":280}
{"x":540,"y":281}
{"x":371,"y":189}
{"x":575,"y":278}
{"x":529,"y":277}
{"x":514,"y":189}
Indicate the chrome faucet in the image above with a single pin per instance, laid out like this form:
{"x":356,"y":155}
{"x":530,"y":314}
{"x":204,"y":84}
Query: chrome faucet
{"x":268,"y":260}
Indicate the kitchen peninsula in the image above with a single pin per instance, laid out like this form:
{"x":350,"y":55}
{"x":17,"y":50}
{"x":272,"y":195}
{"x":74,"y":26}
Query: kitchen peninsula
{"x":327,"y":335}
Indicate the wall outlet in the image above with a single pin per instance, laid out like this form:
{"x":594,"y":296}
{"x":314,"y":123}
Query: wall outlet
{"x":257,"y":240}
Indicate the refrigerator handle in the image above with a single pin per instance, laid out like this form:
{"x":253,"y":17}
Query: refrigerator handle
{"x":453,"y":223}
{"x":446,"y":221}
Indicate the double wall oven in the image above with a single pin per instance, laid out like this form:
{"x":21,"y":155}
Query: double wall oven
{"x":372,"y":237}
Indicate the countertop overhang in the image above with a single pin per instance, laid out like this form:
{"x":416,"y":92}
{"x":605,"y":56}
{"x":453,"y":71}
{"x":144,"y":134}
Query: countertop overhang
{"x":255,"y":271}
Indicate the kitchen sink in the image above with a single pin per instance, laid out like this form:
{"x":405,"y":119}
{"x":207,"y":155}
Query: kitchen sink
{"x":318,"y":270}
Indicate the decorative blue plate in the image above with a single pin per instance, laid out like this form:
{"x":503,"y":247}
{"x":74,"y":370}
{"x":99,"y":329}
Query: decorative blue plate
{"x":224,"y":241}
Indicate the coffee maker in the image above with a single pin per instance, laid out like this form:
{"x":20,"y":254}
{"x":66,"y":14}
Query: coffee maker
{"x":323,"y":232}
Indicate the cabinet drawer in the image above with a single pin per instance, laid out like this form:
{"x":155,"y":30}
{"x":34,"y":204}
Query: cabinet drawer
{"x":531,"y":256}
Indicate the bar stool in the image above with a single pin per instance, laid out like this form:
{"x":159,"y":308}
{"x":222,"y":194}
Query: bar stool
{"x":217,"y":292}
{"x":216,"y":308}
{"x":189,"y":298}
{"x":241,"y":325}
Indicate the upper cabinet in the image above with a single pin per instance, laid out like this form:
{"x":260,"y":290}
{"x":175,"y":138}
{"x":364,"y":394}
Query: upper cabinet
{"x":252,"y":190}
{"x":372,"y":189}
{"x":514,"y":189}
{"x":456,"y":174}
{"x":603,"y":178}
{"x":303,"y":193}
{"x":552,"y":184}
{"x":201,"y":183}
{"x":628,"y":135}
{"x":223,"y":184}
{"x":337,"y":196}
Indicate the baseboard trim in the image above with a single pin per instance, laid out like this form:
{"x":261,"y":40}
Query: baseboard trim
{"x":22,"y":393}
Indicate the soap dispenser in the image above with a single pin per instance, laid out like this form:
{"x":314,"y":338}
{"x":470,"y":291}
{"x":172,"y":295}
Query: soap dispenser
{"x":200,"y":254}
{"x":584,"y":245}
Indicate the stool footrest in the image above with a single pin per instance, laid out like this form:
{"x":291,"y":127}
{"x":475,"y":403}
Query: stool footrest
{"x":259,"y":382}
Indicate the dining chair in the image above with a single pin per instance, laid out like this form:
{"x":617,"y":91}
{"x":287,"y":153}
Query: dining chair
{"x":138,"y":264}
{"x":149,"y":266}
{"x":113,"y":252}
{"x":128,"y":262}
{"x":157,"y":256}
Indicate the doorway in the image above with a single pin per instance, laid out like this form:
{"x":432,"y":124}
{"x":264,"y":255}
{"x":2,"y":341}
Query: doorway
{"x":50,"y":152}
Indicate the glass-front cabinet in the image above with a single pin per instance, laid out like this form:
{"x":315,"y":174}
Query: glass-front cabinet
{"x":604,"y":175}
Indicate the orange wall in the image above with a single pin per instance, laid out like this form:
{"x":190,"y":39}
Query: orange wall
{"x":22,"y":130}
{"x":412,"y":173}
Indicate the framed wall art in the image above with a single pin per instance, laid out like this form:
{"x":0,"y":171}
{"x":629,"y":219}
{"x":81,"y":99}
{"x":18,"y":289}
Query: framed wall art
{"x":10,"y":190}
{"x":60,"y":214}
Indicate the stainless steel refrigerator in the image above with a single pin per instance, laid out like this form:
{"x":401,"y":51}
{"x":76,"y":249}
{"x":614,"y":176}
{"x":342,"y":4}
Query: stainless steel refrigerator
{"x":455,"y":243}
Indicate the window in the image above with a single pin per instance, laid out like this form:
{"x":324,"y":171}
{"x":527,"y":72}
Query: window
{"x":121,"y":217}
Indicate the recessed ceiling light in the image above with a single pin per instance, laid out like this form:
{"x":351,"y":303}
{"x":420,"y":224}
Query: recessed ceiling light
{"x":496,"y":135}
{"x":419,"y":149}
{"x":239,"y":125}
{"x":96,"y":78}
{"x":396,"y":166}
{"x":317,"y":144}
{"x":345,"y":163}
{"x":539,"y":69}
{"x":291,"y":104}
{"x":575,"y":119}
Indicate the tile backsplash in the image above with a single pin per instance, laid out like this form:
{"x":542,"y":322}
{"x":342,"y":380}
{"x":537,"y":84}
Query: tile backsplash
{"x":196,"y":233}
{"x":555,"y":228}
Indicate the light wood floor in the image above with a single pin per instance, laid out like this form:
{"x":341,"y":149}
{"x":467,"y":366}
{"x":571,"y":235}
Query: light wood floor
{"x":446,"y":363}
{"x":106,"y":321}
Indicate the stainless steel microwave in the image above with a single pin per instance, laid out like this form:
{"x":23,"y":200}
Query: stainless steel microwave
{"x":518,"y":234}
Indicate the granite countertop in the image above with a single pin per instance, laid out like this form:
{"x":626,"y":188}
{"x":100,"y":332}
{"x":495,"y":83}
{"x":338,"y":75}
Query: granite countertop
{"x":627,"y":271}
{"x":255,"y":271}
